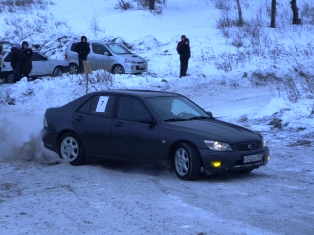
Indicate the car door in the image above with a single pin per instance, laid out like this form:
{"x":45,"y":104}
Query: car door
{"x":131,"y":139}
{"x":93,"y":123}
{"x":100,"y":57}
{"x":41,"y":65}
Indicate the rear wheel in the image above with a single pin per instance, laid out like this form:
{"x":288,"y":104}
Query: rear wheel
{"x":10,"y":78}
{"x":71,"y":149}
{"x":73,"y":69}
{"x":117,"y":69}
{"x":187,"y":162}
{"x":57,"y":72}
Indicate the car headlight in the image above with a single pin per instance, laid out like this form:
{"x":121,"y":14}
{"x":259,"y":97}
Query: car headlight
{"x":130,"y":61}
{"x":217,"y":145}
{"x":264,"y":143}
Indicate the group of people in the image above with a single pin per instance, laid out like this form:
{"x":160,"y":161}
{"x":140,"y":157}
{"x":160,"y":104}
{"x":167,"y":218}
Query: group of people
{"x":21,"y":61}
{"x":183,"y":48}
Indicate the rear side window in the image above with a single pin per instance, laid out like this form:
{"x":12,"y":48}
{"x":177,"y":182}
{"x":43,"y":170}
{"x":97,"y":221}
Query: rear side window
{"x":73,"y":46}
{"x":101,"y":105}
{"x":38,"y":57}
{"x":8,"y":58}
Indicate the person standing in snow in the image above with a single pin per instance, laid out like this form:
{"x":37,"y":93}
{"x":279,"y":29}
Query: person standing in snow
{"x":26,"y":65}
{"x":181,"y":42}
{"x":16,"y":61}
{"x":82,"y":49}
{"x":1,"y":58}
{"x":185,"y":54}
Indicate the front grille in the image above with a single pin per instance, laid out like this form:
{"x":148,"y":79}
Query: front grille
{"x":248,"y":146}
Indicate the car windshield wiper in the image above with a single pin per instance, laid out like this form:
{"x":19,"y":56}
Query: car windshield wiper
{"x":175,"y":119}
{"x":199,"y":118}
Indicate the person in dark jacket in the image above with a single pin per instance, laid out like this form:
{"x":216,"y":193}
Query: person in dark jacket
{"x":181,"y":42}
{"x":82,"y":49}
{"x":16,"y":60}
{"x":27,"y":65}
{"x":185,"y":54}
{"x":2,"y":65}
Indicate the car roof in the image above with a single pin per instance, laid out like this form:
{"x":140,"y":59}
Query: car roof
{"x":138,"y":93}
{"x":95,"y":41}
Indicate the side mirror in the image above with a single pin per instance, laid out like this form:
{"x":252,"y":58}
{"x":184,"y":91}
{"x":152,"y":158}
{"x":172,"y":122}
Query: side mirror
{"x":210,"y":114}
{"x":146,"y":119}
{"x":106,"y":53}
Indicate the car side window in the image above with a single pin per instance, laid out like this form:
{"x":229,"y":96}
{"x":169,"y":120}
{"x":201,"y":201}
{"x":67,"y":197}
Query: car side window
{"x":38,"y":57}
{"x":73,"y":46}
{"x":131,"y":109}
{"x":8,"y":57}
{"x":99,"y":49}
{"x":100,"y":105}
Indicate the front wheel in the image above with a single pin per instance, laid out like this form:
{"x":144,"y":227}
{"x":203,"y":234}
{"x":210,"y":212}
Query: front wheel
{"x":57,"y":72}
{"x":117,"y":69}
{"x":186,"y":162}
{"x":10,"y":78}
{"x":71,"y":149}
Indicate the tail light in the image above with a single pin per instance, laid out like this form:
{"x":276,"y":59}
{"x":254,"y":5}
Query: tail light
{"x":66,"y":56}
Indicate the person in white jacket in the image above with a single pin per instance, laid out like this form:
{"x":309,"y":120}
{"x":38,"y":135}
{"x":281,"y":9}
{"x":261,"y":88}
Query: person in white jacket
{"x":1,"y":58}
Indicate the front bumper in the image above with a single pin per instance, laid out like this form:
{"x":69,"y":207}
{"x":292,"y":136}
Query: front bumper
{"x":135,"y":68}
{"x":231,"y":161}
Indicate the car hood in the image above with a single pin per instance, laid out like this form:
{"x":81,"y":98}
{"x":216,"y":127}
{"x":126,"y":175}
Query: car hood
{"x":133,"y":57}
{"x":214,"y":129}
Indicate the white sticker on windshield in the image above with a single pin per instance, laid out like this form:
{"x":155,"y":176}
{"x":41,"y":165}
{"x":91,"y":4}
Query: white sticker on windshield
{"x":101,"y":106}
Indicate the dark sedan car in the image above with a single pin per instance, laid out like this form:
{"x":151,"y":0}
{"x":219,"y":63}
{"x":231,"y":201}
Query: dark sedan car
{"x":151,"y":127}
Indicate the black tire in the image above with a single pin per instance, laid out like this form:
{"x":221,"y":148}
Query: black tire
{"x":10,"y":78}
{"x":57,"y":72}
{"x":71,"y":149}
{"x":187,"y":162}
{"x":73,"y":69}
{"x":118,"y":69}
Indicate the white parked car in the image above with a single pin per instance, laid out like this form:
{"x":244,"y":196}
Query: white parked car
{"x":109,"y":56}
{"x":42,"y":66}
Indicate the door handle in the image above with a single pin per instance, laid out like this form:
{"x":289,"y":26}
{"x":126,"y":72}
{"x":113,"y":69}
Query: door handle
{"x":117,"y":124}
{"x":80,"y":118}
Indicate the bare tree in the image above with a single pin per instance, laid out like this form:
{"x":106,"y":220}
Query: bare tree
{"x":273,"y":14}
{"x":295,"y":11}
{"x":151,"y":4}
{"x":240,"y":20}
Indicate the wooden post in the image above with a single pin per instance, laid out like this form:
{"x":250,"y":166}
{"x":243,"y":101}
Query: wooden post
{"x":87,"y":70}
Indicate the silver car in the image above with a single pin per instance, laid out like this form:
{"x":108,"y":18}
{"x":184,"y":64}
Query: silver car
{"x":42,"y":66}
{"x":109,"y":56}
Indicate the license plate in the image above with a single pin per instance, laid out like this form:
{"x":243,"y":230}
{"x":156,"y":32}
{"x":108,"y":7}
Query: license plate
{"x":253,"y":158}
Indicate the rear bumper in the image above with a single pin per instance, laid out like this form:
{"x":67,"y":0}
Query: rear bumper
{"x":231,"y":161}
{"x":49,"y":139}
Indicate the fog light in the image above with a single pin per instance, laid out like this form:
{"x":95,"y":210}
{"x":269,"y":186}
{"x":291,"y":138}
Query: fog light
{"x":267,"y":158}
{"x":132,"y":67}
{"x":216,"y":164}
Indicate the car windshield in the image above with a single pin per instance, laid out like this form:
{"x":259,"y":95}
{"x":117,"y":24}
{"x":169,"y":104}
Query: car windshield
{"x":118,"y":49}
{"x":176,"y":108}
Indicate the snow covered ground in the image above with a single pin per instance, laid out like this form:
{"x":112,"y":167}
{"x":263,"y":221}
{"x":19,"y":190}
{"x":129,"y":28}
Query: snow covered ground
{"x":39,"y":193}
